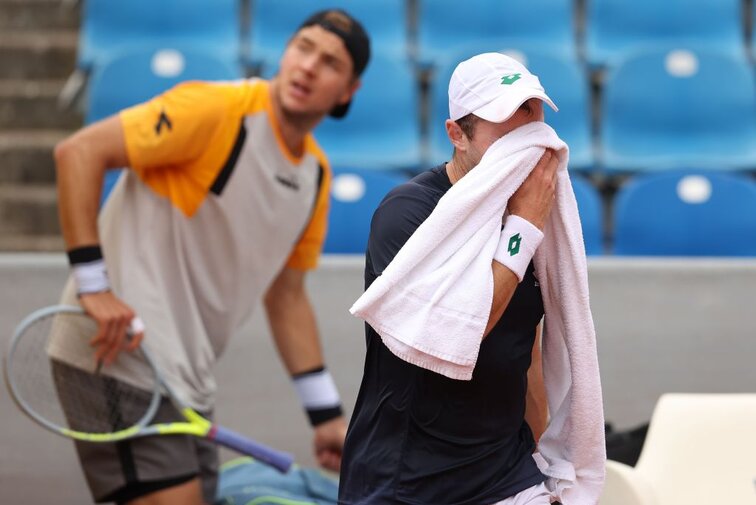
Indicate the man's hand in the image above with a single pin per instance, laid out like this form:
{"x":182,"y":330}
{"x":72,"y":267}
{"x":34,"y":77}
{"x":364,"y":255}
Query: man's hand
{"x":535,"y":197}
{"x":329,"y":443}
{"x":113,"y":318}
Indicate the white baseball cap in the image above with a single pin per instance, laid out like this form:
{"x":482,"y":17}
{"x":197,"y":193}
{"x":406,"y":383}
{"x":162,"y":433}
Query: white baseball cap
{"x":492,"y":86}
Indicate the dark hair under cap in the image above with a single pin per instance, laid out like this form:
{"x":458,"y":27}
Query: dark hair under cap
{"x":355,"y":39}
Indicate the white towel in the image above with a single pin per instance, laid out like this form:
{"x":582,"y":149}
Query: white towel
{"x":432,"y":303}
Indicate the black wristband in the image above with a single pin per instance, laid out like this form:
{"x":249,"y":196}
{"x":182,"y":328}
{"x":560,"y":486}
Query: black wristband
{"x":320,"y":416}
{"x":314,"y":371}
{"x":86,"y":254}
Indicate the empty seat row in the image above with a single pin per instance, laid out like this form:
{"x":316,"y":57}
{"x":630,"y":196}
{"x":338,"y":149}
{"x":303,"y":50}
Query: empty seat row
{"x":659,"y":110}
{"x":615,"y":28}
{"x":686,"y":214}
{"x":109,"y":28}
{"x":670,"y":214}
{"x":611,"y":28}
{"x":446,"y":26}
{"x":678,"y":109}
{"x":438,"y":28}
{"x":661,"y":107}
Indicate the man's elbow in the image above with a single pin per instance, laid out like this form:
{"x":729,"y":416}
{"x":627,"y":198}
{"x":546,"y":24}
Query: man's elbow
{"x":269,"y":300}
{"x":283,"y":296}
{"x":64,"y":151}
{"x":277,"y":297}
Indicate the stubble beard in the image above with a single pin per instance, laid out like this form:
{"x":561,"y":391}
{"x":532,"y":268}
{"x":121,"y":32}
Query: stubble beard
{"x":303,"y":120}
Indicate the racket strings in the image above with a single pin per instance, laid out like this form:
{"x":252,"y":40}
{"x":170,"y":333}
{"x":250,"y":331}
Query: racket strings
{"x":67,"y":396}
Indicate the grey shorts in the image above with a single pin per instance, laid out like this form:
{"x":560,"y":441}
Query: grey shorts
{"x":123,"y":471}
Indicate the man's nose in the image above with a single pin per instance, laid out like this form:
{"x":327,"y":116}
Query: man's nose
{"x":309,"y":63}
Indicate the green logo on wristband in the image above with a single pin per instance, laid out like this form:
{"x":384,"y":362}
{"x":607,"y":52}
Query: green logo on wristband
{"x":514,"y":244}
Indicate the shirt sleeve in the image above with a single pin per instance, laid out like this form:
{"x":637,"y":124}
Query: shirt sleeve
{"x":393,"y":223}
{"x":187,"y":123}
{"x":178,"y":142}
{"x":307,"y":250}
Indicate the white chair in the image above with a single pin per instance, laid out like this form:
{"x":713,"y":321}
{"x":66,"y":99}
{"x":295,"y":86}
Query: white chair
{"x":624,"y":486}
{"x":700,"y":448}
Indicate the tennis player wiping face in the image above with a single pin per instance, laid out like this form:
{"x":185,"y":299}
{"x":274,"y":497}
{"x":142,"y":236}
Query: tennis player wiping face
{"x":225,"y":202}
{"x":419,"y":437}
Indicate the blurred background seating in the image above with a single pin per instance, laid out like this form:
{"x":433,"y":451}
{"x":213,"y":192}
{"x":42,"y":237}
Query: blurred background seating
{"x":444,"y":26}
{"x":682,"y":108}
{"x":686,"y":214}
{"x":381,"y":130}
{"x":355,"y":194}
{"x":642,"y":86}
{"x":140,"y":74}
{"x":616,"y":28}
{"x":108,"y":28}
{"x":591,"y":214}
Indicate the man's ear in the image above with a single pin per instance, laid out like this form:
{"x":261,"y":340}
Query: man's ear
{"x":351,"y":90}
{"x":456,"y":136}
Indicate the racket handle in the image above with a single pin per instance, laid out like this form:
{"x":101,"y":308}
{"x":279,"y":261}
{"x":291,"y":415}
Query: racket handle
{"x":281,"y":461}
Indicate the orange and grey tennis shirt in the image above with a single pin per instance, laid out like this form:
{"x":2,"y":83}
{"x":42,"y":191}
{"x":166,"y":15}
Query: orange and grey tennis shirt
{"x":213,"y":208}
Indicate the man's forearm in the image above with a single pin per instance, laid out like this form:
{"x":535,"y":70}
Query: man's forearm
{"x":518,"y":242}
{"x":505,"y":284}
{"x":294,"y":330}
{"x":292,"y":322}
{"x":536,"y":404}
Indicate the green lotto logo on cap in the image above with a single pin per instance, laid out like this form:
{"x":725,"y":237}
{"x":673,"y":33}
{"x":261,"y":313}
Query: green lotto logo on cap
{"x":510,"y":79}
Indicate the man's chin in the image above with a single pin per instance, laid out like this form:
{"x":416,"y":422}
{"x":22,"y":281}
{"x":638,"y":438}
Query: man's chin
{"x":301,"y":114}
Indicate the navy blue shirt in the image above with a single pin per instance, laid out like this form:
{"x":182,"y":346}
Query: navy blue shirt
{"x":417,"y":437}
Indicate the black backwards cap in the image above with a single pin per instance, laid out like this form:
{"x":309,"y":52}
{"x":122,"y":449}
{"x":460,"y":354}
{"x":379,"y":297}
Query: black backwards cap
{"x":355,"y":39}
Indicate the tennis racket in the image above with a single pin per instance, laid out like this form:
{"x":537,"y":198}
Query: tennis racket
{"x":90,"y":406}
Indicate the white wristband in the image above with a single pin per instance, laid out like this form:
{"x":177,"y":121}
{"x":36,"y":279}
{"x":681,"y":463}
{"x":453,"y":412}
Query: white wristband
{"x":91,"y":277}
{"x":319,"y":396}
{"x":317,"y":390}
{"x":517,"y":245}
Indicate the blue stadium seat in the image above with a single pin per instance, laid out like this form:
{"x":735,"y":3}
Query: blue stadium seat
{"x":663,"y":110}
{"x":355,"y":195}
{"x":382,"y":129}
{"x":137,"y":76}
{"x":274,"y":22}
{"x":110,"y":27}
{"x":445,"y":26}
{"x":615,"y":28}
{"x":686,"y":214}
{"x":591,"y":214}
{"x":753,"y":34}
{"x":142,"y":73}
{"x":564,"y":80}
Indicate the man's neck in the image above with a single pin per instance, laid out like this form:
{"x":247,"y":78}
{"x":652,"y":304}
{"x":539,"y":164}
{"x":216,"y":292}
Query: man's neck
{"x":291,"y":129}
{"x":457,"y":168}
